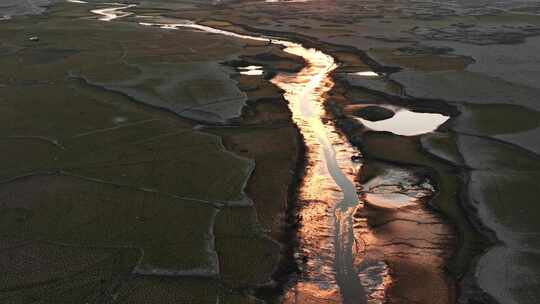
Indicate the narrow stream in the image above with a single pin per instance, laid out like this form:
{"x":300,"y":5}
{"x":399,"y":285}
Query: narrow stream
{"x":328,"y":196}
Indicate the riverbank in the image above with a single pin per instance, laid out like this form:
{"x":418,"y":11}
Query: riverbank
{"x":458,"y":243}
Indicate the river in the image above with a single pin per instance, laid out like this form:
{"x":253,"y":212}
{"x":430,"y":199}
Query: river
{"x":328,"y":253}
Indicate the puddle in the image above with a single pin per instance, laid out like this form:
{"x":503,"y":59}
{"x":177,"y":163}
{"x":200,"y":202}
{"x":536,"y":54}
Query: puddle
{"x":407,"y":123}
{"x":396,"y":188}
{"x":252,"y":70}
{"x":366,"y":74}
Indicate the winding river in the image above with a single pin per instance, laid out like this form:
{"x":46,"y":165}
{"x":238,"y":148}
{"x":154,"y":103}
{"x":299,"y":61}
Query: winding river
{"x":328,"y":196}
{"x":328,"y":252}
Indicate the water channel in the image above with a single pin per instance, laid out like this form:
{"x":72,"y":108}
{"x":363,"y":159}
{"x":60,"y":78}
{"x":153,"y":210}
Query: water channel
{"x":331,"y":256}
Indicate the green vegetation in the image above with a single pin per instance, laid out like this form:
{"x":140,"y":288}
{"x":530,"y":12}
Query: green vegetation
{"x":107,"y":198}
{"x":72,"y":211}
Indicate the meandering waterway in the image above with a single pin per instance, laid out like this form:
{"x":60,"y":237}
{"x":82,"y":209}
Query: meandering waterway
{"x":331,"y":255}
{"x":328,"y":196}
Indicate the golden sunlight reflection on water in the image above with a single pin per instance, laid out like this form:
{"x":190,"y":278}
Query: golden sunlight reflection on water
{"x":328,"y":252}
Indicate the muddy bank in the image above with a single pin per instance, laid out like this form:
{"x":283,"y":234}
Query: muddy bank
{"x":454,"y":248}
{"x":415,"y":241}
{"x":267,"y":122}
{"x":420,"y":239}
